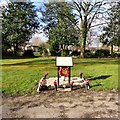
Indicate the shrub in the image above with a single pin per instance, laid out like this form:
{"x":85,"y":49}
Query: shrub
{"x":89,"y":54}
{"x":102,"y":53}
{"x":75,"y":53}
{"x":116,"y":55}
{"x":55,"y":53}
{"x":7,"y":52}
{"x":28,"y":53}
{"x":19,"y":53}
{"x":43,"y":49}
{"x":65,"y":53}
{"x":44,"y":52}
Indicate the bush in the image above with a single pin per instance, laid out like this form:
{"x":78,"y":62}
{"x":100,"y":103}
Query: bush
{"x":102,"y":53}
{"x":89,"y":54}
{"x":28,"y":53}
{"x":20,"y":53}
{"x":7,"y":52}
{"x":65,"y":53}
{"x":116,"y":55}
{"x":75,"y":53}
{"x":44,"y":52}
{"x":37,"y":54}
{"x":55,"y":53}
{"x":43,"y":49}
{"x":54,"y":50}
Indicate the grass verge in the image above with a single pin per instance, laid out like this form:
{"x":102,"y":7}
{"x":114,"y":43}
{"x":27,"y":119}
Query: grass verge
{"x":22,"y":75}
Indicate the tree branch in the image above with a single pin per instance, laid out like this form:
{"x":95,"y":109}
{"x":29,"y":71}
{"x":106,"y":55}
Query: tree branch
{"x":82,"y":7}
{"x":94,"y":16}
{"x":93,"y":6}
{"x":78,"y":9}
{"x":70,"y":20}
{"x":99,"y":24}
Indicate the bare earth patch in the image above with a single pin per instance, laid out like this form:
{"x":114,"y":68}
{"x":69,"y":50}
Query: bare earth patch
{"x":51,"y":104}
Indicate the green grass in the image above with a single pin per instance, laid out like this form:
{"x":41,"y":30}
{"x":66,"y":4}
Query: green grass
{"x":22,"y":75}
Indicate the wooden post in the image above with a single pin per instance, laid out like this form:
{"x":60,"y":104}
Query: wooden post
{"x":69,"y":75}
{"x":55,"y":84}
{"x":58,"y":75}
{"x":64,"y":62}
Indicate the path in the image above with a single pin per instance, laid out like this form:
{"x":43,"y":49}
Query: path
{"x":73,"y":104}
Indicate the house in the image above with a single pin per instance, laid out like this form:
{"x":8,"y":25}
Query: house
{"x":35,"y":48}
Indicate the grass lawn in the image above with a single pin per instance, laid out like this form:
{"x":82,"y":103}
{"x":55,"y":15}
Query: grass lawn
{"x":22,"y":75}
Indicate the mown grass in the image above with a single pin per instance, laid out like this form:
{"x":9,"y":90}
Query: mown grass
{"x":22,"y":75}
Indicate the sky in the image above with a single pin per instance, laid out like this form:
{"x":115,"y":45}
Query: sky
{"x":2,"y":2}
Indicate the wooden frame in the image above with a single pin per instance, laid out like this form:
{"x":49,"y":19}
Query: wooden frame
{"x":64,"y":62}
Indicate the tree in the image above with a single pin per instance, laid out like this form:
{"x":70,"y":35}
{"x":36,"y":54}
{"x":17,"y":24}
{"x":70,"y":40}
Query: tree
{"x":19,"y":22}
{"x":43,"y":49}
{"x":110,"y":34}
{"x":60,"y":30}
{"x":86,"y":13}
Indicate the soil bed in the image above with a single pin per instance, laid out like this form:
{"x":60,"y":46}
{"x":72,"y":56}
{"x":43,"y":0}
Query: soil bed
{"x":79,"y":103}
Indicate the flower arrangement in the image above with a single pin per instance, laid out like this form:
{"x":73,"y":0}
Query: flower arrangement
{"x":81,"y":73}
{"x":46,"y":73}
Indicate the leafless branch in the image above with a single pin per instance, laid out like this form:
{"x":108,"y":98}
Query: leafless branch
{"x":89,"y":25}
{"x":71,"y":20}
{"x":99,"y":24}
{"x":82,"y":6}
{"x":78,"y":9}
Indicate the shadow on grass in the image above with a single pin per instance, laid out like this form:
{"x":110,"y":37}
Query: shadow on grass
{"x":97,"y":61}
{"x":97,"y":84}
{"x":17,"y":57}
{"x":100,"y":77}
{"x":34,"y":62}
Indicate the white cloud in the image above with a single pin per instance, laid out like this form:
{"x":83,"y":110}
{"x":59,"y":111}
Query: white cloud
{"x":40,"y":1}
{"x":41,"y":36}
{"x":3,"y":2}
{"x":39,"y":14}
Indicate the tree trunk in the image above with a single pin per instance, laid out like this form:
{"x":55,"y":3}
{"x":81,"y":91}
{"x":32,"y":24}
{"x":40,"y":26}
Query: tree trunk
{"x":111,"y":50}
{"x":83,"y":39}
{"x":82,"y":50}
{"x":15,"y":49}
{"x":82,"y":47}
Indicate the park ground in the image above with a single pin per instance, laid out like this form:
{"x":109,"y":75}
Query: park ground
{"x":51,"y":104}
{"x":20,"y":100}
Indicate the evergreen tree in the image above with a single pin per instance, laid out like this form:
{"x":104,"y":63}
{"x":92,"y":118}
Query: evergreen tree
{"x":61,"y":31}
{"x":19,"y":22}
{"x":111,"y":33}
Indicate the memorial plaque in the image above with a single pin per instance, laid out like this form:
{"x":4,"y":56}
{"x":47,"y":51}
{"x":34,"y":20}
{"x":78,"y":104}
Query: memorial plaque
{"x":64,"y":61}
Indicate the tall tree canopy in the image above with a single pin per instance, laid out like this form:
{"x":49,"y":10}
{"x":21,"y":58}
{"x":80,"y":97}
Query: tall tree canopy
{"x":111,"y":33}
{"x":84,"y":13}
{"x":60,"y":29}
{"x":19,"y":22}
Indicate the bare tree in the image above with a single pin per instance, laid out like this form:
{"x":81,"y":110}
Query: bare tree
{"x":86,"y":12}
